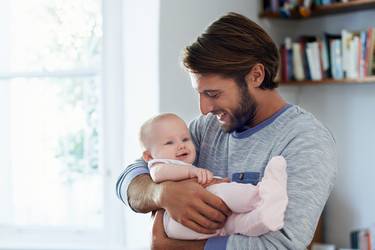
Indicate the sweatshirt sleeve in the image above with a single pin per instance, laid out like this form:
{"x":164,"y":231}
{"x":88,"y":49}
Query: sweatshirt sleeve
{"x":133,"y":170}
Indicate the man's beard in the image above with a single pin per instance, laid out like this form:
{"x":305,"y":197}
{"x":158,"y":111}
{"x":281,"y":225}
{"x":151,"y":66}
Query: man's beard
{"x":243,"y":117}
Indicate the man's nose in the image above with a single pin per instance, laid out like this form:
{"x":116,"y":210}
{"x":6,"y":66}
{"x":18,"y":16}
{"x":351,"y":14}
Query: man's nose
{"x":205,"y":105}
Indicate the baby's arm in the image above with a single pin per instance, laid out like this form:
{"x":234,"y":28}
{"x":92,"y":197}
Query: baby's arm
{"x":172,"y":172}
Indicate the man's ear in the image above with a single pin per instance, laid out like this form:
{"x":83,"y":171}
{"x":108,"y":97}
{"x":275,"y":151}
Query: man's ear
{"x":256,"y":75}
{"x":147,"y":155}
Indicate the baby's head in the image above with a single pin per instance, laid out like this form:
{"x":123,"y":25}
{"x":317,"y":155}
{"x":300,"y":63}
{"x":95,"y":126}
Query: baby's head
{"x":166,"y":136}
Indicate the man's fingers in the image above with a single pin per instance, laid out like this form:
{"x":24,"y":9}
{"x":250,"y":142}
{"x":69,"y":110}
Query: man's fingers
{"x":215,"y":202}
{"x":205,"y":222}
{"x":213,"y":215}
{"x":198,"y":228}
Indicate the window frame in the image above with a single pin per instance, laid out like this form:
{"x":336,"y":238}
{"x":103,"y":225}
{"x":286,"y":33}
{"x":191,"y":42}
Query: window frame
{"x":111,"y":149}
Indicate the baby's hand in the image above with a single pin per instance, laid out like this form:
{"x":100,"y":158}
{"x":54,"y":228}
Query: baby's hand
{"x":204,"y":176}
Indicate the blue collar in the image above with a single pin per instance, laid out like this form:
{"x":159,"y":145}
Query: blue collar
{"x":263,"y":124}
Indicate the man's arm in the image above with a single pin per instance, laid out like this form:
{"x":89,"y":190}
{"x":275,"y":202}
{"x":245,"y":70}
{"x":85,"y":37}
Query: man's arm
{"x":186,"y":201}
{"x":139,"y":167}
{"x":144,"y":194}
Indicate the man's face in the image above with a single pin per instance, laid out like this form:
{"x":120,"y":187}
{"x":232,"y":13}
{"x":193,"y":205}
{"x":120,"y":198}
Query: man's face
{"x":233,"y":106}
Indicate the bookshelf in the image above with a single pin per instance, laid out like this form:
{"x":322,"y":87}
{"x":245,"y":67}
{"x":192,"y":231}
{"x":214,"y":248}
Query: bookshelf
{"x":346,"y":57}
{"x":370,"y":79}
{"x":331,"y":9}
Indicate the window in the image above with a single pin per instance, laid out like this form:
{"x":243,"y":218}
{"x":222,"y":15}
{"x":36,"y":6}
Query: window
{"x":52,"y":180}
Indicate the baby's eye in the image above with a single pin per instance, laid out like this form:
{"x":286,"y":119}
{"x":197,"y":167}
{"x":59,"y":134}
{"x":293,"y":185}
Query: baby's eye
{"x":168,"y":143}
{"x":186,"y":139}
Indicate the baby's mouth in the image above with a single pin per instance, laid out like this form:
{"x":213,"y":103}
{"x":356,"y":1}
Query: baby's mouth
{"x":183,"y":155}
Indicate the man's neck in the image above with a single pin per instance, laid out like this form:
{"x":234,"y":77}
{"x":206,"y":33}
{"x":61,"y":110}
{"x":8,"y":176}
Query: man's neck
{"x":268,"y":103}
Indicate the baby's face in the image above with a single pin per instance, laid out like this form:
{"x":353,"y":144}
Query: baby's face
{"x":171,"y":139}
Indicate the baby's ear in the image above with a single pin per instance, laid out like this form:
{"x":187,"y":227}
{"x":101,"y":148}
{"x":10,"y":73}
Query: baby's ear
{"x":147,"y":155}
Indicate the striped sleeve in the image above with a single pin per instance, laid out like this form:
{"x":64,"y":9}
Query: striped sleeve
{"x":133,"y":170}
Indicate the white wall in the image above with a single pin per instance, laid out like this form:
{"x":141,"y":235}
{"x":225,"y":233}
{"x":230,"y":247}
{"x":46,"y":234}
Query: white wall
{"x":346,"y":109}
{"x":141,"y":94}
{"x":180,"y":24}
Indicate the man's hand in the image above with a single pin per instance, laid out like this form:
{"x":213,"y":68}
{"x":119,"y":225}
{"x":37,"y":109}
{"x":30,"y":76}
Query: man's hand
{"x":191,"y":205}
{"x":160,"y":241}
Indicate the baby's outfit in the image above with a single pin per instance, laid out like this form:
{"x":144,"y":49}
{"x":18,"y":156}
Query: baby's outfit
{"x":256,"y":209}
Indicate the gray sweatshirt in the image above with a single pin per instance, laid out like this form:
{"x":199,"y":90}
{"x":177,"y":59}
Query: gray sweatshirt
{"x":309,"y":150}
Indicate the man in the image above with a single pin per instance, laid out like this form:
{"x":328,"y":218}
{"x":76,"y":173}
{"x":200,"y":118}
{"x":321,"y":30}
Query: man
{"x":245,"y":122}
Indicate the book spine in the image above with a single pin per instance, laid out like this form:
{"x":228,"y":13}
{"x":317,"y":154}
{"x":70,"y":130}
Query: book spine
{"x":298,"y":73}
{"x":346,"y":48}
{"x":362,"y":68}
{"x":283,"y":71}
{"x":354,"y":239}
{"x":306,"y":69}
{"x":289,"y":52}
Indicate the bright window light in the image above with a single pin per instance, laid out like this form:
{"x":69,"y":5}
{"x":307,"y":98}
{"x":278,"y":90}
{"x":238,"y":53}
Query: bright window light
{"x":52,"y":182}
{"x":54,"y":35}
{"x":54,"y":152}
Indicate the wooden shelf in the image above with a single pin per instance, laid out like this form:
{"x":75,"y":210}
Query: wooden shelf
{"x":334,"y":8}
{"x":370,"y":79}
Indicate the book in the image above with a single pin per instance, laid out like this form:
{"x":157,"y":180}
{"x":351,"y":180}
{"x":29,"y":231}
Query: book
{"x":362,"y":239}
{"x":314,"y":62}
{"x":284,"y":63}
{"x":336,"y":60}
{"x":289,"y":58}
{"x":354,"y":243}
{"x":352,"y":65}
{"x":324,"y":57}
{"x":328,"y":37}
{"x":371,"y":51}
{"x":298,"y":72}
{"x":362,"y":69}
{"x":346,"y":42}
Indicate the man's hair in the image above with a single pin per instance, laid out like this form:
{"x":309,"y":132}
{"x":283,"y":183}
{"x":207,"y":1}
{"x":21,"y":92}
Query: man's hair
{"x":230,"y":47}
{"x":146,"y":128}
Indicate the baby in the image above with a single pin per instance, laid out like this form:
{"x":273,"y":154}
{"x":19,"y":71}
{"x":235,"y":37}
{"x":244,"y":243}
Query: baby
{"x":170,"y":152}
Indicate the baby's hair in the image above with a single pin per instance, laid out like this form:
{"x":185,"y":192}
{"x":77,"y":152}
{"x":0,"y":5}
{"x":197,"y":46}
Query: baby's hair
{"x":147,"y":125}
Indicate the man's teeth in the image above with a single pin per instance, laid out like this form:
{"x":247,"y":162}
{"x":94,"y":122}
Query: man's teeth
{"x":220,"y":115}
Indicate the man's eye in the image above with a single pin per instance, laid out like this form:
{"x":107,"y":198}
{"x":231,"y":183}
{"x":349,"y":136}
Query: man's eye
{"x":212,"y":94}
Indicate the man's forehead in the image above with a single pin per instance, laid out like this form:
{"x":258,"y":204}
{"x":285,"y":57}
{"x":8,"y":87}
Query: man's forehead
{"x":194,"y":80}
{"x":206,"y":82}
